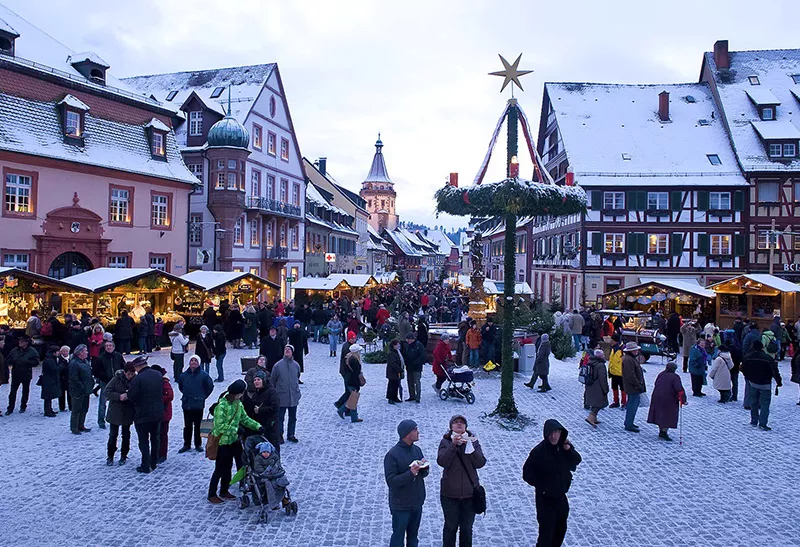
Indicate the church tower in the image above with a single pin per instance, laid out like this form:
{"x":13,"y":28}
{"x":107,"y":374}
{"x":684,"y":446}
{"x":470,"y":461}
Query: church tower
{"x":378,"y":191}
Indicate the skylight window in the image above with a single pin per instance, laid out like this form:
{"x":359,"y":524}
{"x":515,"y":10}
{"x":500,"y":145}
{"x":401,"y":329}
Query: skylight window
{"x":703,"y":121}
{"x":690,"y":99}
{"x":796,"y":78}
{"x":753,"y":80}
{"x":171,"y":95}
{"x":217,"y":92}
{"x":714,"y":159}
{"x":626,"y":156}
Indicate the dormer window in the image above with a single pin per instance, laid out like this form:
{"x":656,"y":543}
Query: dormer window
{"x":157,"y":143}
{"x":157,"y":133}
{"x":789,"y":150}
{"x":73,"y":112}
{"x":72,"y":124}
{"x":91,"y":66}
{"x":753,"y":80}
{"x":768,"y":113}
{"x":7,"y":38}
{"x":796,"y":78}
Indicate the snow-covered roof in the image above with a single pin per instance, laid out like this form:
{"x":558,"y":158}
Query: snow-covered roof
{"x":89,"y":56}
{"x":777,"y":129}
{"x":440,"y":239}
{"x":762,"y":96}
{"x":155,"y":123}
{"x":37,"y":50}
{"x":613,"y":135}
{"x":386,"y":278}
{"x":44,"y":282}
{"x":775,"y":282}
{"x":313,"y":194}
{"x":774,"y":70}
{"x":34,"y":128}
{"x":354,"y":280}
{"x":76,"y":103}
{"x":212,"y":281}
{"x":5,"y":27}
{"x":245,"y":83}
{"x":417,"y":242}
{"x":103,"y":279}
{"x":320,"y":284}
{"x":497,"y":287}
{"x":690,"y":286}
{"x":402,"y":243}
{"x":377,"y":171}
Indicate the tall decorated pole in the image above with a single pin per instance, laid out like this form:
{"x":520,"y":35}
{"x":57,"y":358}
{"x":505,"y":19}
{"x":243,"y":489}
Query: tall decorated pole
{"x":509,"y":199}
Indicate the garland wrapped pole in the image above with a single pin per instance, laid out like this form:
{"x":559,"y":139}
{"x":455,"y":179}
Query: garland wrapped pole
{"x":509,"y":199}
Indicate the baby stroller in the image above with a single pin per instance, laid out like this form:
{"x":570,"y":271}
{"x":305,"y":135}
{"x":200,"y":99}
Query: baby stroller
{"x":269,"y":489}
{"x":459,"y":384}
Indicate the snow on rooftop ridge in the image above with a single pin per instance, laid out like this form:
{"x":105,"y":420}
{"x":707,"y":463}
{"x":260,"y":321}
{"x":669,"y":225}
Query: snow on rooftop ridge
{"x":89,"y":56}
{"x":762,"y":96}
{"x":155,"y":123}
{"x":598,"y":123}
{"x":776,"y":129}
{"x":74,"y":102}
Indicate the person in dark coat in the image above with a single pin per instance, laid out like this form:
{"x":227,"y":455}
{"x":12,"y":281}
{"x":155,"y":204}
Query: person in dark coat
{"x":123,"y":332}
{"x":167,"y":395}
{"x":549,"y":469}
{"x":204,"y":348}
{"x":104,"y":366}
{"x":796,"y":370}
{"x":405,"y":469}
{"x":220,"y":350}
{"x":262,"y":404}
{"x":673,"y":330}
{"x":210,"y":319}
{"x":460,"y":456}
{"x":759,"y":369}
{"x":394,"y":372}
{"x":272,"y":348}
{"x":77,"y":336}
{"x":51,"y":381}
{"x":81,"y":384}
{"x":351,"y":339}
{"x":541,"y":366}
{"x":596,"y":392}
{"x":298,"y":338}
{"x":64,"y":401}
{"x":352,"y":382}
{"x":146,"y":394}
{"x":235,"y":326}
{"x":414,"y":355}
{"x":422,"y":331}
{"x":22,"y":361}
{"x":120,"y":413}
{"x":633,"y":383}
{"x":668,"y":394}
{"x":150,"y":328}
{"x":196,"y":386}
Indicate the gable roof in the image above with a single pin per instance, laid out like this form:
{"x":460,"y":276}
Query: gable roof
{"x":774,"y":69}
{"x":103,"y":279}
{"x":377,"y":171}
{"x":598,"y":123}
{"x":245,"y":84}
{"x":440,"y":239}
{"x":34,"y":128}
{"x":399,"y":239}
{"x":212,"y":281}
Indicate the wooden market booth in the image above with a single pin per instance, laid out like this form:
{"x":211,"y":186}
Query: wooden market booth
{"x":360,"y":284}
{"x":237,"y":287}
{"x":664,"y":295}
{"x":110,"y":290}
{"x":22,"y":291}
{"x":758,"y":297}
{"x":318,"y":289}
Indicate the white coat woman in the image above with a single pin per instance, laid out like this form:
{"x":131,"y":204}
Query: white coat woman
{"x":720,"y":374}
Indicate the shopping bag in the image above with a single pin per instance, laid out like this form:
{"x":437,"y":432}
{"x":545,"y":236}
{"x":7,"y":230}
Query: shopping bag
{"x":352,"y":401}
{"x":212,"y":445}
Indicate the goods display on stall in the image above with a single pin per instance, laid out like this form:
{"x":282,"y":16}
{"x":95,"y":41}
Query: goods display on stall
{"x":684,"y":296}
{"x":22,"y":291}
{"x":758,"y":297}
{"x":235,"y":287}
{"x":319,"y":289}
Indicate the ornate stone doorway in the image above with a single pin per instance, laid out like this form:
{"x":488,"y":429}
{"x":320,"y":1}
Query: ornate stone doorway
{"x":67,"y":264}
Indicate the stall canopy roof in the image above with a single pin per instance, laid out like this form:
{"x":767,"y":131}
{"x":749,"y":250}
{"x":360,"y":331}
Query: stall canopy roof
{"x":765,"y":279}
{"x":386,"y":278}
{"x":497,"y":287}
{"x":680,"y":285}
{"x":212,"y":281}
{"x":355,"y":280}
{"x":320,"y":284}
{"x":46,"y":283}
{"x":103,"y":279}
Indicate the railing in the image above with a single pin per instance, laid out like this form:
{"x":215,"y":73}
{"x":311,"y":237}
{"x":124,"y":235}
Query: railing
{"x":273,"y":206}
{"x":276,"y":252}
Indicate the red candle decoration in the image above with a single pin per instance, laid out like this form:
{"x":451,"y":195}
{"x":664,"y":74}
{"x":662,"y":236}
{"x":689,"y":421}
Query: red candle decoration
{"x":513,"y":169}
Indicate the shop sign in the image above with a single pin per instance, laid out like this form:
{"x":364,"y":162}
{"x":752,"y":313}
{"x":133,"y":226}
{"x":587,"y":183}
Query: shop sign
{"x":330,"y":257}
{"x":244,"y":287}
{"x":791,"y":267}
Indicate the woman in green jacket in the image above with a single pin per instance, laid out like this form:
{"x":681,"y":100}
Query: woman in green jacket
{"x":229,"y":414}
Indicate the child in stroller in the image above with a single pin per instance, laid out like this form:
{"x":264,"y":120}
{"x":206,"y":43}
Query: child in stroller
{"x":265,"y":479}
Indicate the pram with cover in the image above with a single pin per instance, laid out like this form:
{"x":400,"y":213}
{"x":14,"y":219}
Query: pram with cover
{"x":265,"y":481}
{"x":459,"y":384}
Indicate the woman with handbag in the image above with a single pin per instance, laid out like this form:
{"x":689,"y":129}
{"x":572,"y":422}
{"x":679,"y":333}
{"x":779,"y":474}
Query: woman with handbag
{"x":460,"y":456}
{"x":223,"y":443}
{"x":353,"y":380}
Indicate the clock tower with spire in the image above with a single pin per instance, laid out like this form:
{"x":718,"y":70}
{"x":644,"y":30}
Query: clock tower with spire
{"x":378,"y":191}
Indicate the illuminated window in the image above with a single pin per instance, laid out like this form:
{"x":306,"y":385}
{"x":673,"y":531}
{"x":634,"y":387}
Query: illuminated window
{"x":720,"y":244}
{"x":657,"y":244}
{"x":614,"y":243}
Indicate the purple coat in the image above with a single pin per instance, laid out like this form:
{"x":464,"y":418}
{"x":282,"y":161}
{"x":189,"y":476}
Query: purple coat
{"x":664,"y":400}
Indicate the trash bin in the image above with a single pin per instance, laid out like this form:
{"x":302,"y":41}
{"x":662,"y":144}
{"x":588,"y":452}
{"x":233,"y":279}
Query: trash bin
{"x":528,"y":359}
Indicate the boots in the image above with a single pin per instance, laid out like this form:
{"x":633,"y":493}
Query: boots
{"x":591,"y":419}
{"x":354,"y":416}
{"x":615,"y":404}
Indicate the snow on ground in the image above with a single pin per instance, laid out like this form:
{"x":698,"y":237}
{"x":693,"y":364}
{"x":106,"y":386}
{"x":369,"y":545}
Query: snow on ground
{"x":728,"y":485}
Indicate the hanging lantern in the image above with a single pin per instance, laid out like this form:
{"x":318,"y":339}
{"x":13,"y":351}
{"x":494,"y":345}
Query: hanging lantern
{"x":644,"y":300}
{"x":659,"y":297}
{"x":513,"y":168}
{"x":672,"y":295}
{"x":570,"y":178}
{"x":630,"y":299}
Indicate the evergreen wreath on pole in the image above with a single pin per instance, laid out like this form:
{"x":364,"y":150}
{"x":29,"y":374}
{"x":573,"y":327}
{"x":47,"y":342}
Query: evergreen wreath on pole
{"x":509,"y":199}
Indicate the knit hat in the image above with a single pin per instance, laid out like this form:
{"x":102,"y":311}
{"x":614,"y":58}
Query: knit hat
{"x":405,"y":427}
{"x":351,"y":336}
{"x":599,"y":353}
{"x":545,"y":337}
{"x":195,"y":356}
{"x":265,"y":446}
{"x":261,"y":374}
{"x":160,"y":369}
{"x":458,"y":417}
{"x":355,"y":348}
{"x":237,"y":387}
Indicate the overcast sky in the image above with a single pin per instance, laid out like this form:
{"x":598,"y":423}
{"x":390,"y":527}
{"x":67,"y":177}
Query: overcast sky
{"x":414,"y":70}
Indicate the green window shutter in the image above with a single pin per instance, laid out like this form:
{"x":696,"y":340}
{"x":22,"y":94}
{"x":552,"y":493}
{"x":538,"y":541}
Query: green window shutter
{"x":738,"y":244}
{"x":597,"y":243}
{"x":642,"y":201}
{"x":630,"y":243}
{"x":675,"y":200}
{"x":642,"y":246}
{"x":702,"y":201}
{"x":597,"y":200}
{"x":702,"y":244}
{"x":738,"y":200}
{"x":630,"y":201}
{"x":677,"y":244}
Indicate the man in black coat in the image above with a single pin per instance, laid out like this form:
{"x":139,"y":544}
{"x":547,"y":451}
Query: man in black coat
{"x":414,"y":355}
{"x":759,"y":369}
{"x":351,"y":339}
{"x":299,"y":339}
{"x":320,"y":318}
{"x":272,"y":348}
{"x":146,"y":395}
{"x":22,"y":359}
{"x":210,"y":317}
{"x":265,"y":319}
{"x":104,"y":366}
{"x":549,"y":469}
{"x":673,"y":329}
{"x":405,"y":469}
{"x":123,"y":332}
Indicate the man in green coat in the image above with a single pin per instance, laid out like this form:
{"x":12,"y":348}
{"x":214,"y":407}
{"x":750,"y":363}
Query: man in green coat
{"x":81,"y":384}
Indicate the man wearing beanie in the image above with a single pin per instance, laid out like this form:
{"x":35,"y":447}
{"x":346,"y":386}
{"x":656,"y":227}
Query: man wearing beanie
{"x":405,"y":469}
{"x":759,"y":369}
{"x":146,"y":394}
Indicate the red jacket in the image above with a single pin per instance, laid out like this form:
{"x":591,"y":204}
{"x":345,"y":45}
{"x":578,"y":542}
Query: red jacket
{"x":382,"y":316}
{"x":441,"y":354}
{"x":167,"y":394}
{"x":95,"y":343}
{"x":367,"y":304}
{"x":424,"y":300}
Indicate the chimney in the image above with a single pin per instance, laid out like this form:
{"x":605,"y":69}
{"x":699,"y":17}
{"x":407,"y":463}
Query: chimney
{"x":454,"y":180}
{"x":663,"y":106}
{"x":323,"y":165}
{"x":721,"y":58}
